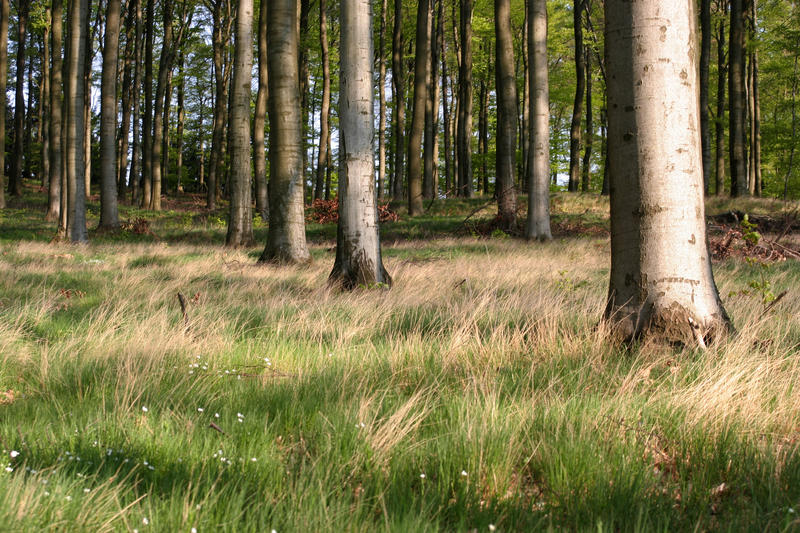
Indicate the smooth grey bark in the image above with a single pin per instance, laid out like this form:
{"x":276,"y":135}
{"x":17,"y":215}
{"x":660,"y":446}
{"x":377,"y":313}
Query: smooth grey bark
{"x":17,"y":156}
{"x":240,"y":221}
{"x":4,"y":14}
{"x":719,"y":119}
{"x":76,"y":194}
{"x":56,"y":109}
{"x":399,"y":100}
{"x":577,"y":106}
{"x":464,"y":126}
{"x":736,"y":95}
{"x":286,"y":238}
{"x":538,"y":222}
{"x":109,"y":213}
{"x":325,"y":111}
{"x":705,"y":59}
{"x":506,"y":83}
{"x":260,"y":118}
{"x":358,"y":251}
{"x":661,"y":284}
{"x":421,"y":64}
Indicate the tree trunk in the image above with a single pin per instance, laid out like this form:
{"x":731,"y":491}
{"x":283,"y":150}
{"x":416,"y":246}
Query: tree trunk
{"x":219,"y":39}
{"x":4,"y":16}
{"x":421,"y":63}
{"x":76,"y":198}
{"x":755,"y":109}
{"x":661,"y":281}
{"x":164,"y":68}
{"x":587,"y":144}
{"x":56,"y":103}
{"x":398,"y":98}
{"x":240,"y":221}
{"x":305,"y":9}
{"x":577,"y":106}
{"x":147,"y":121}
{"x":42,"y":131}
{"x":705,"y":59}
{"x":431,"y":112}
{"x":358,"y":251}
{"x":719,"y":119}
{"x":109,"y":214}
{"x":790,"y":166}
{"x":445,"y":107}
{"x":324,"y":129}
{"x":382,"y":101}
{"x":260,"y":118}
{"x":736,"y":92}
{"x":464,"y":127}
{"x":506,"y":83}
{"x":18,"y":155}
{"x":483,"y":134}
{"x":526,"y":101}
{"x":136,"y":146}
{"x":286,"y":239}
{"x":538,"y":223}
{"x":181,"y":124}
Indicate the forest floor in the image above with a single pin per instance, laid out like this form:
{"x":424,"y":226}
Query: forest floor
{"x":480,"y":393}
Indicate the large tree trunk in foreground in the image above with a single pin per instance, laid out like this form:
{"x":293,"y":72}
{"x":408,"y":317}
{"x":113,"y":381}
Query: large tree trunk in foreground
{"x":260,"y":118}
{"x":421,"y":63}
{"x":506,"y":83}
{"x":109,"y":214}
{"x":661,"y":280}
{"x":76,"y":194}
{"x":358,"y":251}
{"x":56,"y":103}
{"x":286,"y":239}
{"x":240,"y":221}
{"x":538,"y":224}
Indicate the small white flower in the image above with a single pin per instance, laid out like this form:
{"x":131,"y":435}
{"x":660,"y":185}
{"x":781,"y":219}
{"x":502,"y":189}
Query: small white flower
{"x":239,"y":415}
{"x":9,"y":469}
{"x":68,"y":498}
{"x":14,"y":453}
{"x":422,"y":476}
{"x":194,"y":530}
{"x":464,"y":473}
{"x":216,"y":415}
{"x":145,"y":521}
{"x":254,"y":459}
{"x":44,"y":482}
{"x":491,"y":527}
{"x":144,"y":409}
{"x":87,"y":491}
{"x":145,"y":463}
{"x":47,"y":493}
{"x":151,"y":467}
{"x":199,"y":409}
{"x":791,"y":510}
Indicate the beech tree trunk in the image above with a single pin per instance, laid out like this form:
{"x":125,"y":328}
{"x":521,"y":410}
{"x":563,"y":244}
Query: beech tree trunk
{"x":587,"y":144}
{"x":506,"y":83}
{"x":260,"y":118}
{"x":4,"y":15}
{"x":164,"y":68}
{"x":358,"y":251}
{"x":18,"y":154}
{"x":181,"y":125}
{"x":76,"y":193}
{"x":42,"y":131}
{"x":109,"y":213}
{"x":240,"y":221}
{"x":754,"y":179}
{"x":464,"y":127}
{"x":399,"y":101}
{"x":446,"y":108}
{"x":538,"y":223}
{"x":147,"y":121}
{"x":736,"y":92}
{"x":56,"y":103}
{"x":577,"y":106}
{"x":286,"y":239}
{"x":661,"y":281}
{"x":430,"y":153}
{"x":382,"y":101}
{"x":719,"y":119}
{"x":421,"y":63}
{"x":325,"y":111}
{"x":705,"y":59}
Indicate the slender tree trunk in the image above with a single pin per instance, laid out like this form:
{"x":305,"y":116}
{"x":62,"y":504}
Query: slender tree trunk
{"x":286,"y":239}
{"x":56,"y":103}
{"x":398,"y":98}
{"x":260,"y":118}
{"x":506,"y":83}
{"x":382,"y":101}
{"x":464,"y":127}
{"x":109,"y":214}
{"x":4,"y":15}
{"x":42,"y":131}
{"x":358,"y":251}
{"x":587,"y":144}
{"x":305,"y":10}
{"x":705,"y":59}
{"x":127,"y":96}
{"x":136,"y":146}
{"x":577,"y":107}
{"x":421,"y":63}
{"x":526,"y":101}
{"x":736,"y":91}
{"x":18,"y":155}
{"x":147,"y":121}
{"x":661,"y":281}
{"x":719,"y":119}
{"x":755,"y":109}
{"x":240,"y":221}
{"x":325,"y":128}
{"x":790,"y":166}
{"x":604,"y":146}
{"x":87,"y":101}
{"x":483,"y":135}
{"x":78,"y":29}
{"x":445,"y":107}
{"x":538,"y":223}
{"x":181,"y":124}
{"x":164,"y":69}
{"x":431,"y":111}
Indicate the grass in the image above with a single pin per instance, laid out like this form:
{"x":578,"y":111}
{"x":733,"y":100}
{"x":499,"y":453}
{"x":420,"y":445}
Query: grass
{"x":479,"y":392}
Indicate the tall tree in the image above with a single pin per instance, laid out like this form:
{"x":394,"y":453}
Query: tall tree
{"x":42,"y":130}
{"x":506,"y":83}
{"x":56,"y":103}
{"x":164,"y":69}
{"x":464,"y":127}
{"x":705,"y":60}
{"x":220,"y":11}
{"x":719,"y":118}
{"x":587,"y":144}
{"x":431,"y":148}
{"x":18,"y":155}
{"x":577,"y":106}
{"x":382,"y":100}
{"x":446,"y":108}
{"x":736,"y":95}
{"x":538,"y":223}
{"x":325,"y":111}
{"x":147,"y":120}
{"x":358,"y":250}
{"x":421,"y":64}
{"x":4,"y":14}
{"x":754,"y":104}
{"x":109,"y":213}
{"x":661,"y":280}
{"x":399,"y":100}
{"x":128,"y":60}
{"x":286,"y":239}
{"x":260,"y":117}
{"x":78,"y":28}
{"x":240,"y":221}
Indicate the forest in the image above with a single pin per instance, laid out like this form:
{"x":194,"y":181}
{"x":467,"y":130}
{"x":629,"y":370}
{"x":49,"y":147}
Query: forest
{"x":443,"y":265}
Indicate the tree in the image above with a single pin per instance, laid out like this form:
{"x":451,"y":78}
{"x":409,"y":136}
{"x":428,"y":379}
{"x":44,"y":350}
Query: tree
{"x":719,"y":119}
{"x":421,"y":64}
{"x":18,"y":155}
{"x":286,"y":239}
{"x":736,"y":90}
{"x":240,"y":221}
{"x":147,"y":120}
{"x":661,"y":284}
{"x":705,"y":59}
{"x":325,"y":111}
{"x":164,"y":70}
{"x":78,"y":24}
{"x":580,"y":88}
{"x":109,"y":214}
{"x":538,"y":223}
{"x":382,"y":100}
{"x":4,"y":14}
{"x":464,"y":127}
{"x":399,"y":99}
{"x":358,"y":251}
{"x":260,"y":117}
{"x":506,"y":83}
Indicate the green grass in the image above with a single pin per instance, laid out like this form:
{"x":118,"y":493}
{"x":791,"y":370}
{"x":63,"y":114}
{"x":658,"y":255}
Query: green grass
{"x":477,"y":392}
